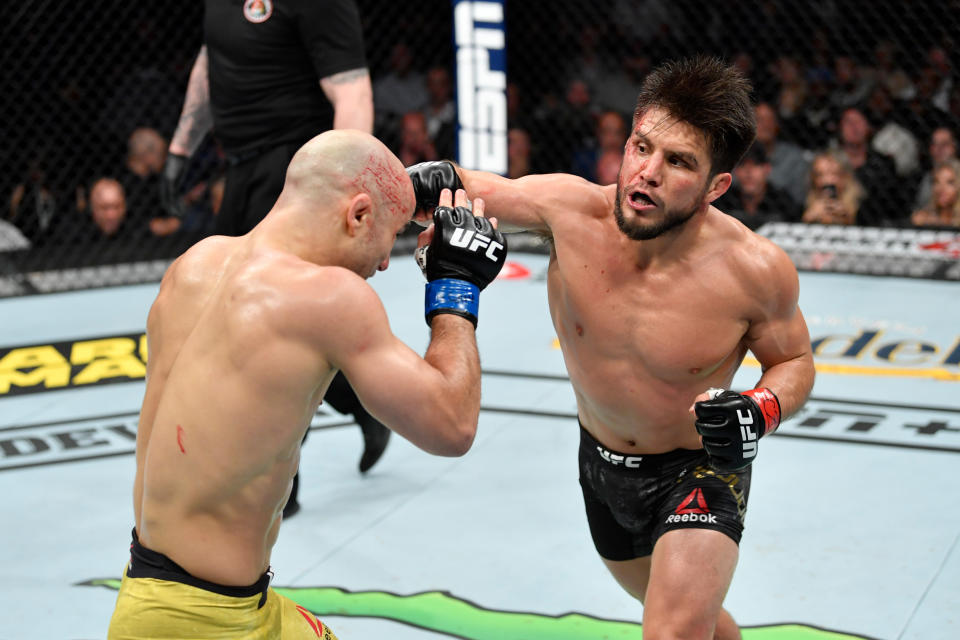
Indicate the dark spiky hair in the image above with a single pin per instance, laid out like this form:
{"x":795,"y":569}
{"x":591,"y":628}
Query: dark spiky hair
{"x":710,"y":95}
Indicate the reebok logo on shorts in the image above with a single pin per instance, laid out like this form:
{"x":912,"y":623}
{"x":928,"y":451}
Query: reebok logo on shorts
{"x":693,"y":508}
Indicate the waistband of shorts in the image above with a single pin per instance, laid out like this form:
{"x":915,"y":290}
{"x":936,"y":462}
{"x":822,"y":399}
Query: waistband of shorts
{"x":146,"y":563}
{"x":645,"y":463}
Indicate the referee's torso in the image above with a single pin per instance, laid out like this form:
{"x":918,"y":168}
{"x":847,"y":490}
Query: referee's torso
{"x":266,"y":59}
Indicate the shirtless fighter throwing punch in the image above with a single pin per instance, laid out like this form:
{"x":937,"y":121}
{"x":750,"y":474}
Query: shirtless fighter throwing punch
{"x":656,"y":297}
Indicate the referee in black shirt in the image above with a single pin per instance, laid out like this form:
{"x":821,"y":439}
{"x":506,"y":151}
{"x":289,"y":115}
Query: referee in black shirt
{"x":269,"y":77}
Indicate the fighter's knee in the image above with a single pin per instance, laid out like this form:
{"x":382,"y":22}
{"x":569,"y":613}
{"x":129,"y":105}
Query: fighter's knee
{"x":671,"y":626}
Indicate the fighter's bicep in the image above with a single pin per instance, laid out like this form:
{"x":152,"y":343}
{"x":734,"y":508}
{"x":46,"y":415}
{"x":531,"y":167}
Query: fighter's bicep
{"x":778,"y":332}
{"x":390,"y":380}
{"x":779,"y":339}
{"x":356,"y":338}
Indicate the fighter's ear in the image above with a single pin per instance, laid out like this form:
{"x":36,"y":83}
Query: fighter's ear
{"x":359,"y":213}
{"x":719,"y":185}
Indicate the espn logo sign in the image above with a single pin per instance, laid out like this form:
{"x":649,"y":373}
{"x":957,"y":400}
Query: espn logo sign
{"x":481,"y":85}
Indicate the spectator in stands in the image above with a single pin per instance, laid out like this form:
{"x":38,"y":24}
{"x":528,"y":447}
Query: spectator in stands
{"x":415,"y":145}
{"x":943,"y":208}
{"x":519,"y":161}
{"x":588,"y":63}
{"x":753,"y":199}
{"x":98,"y":232}
{"x":816,"y":125}
{"x":108,"y":210}
{"x":402,"y":89}
{"x":885,"y":200}
{"x":616,"y":87}
{"x":939,"y":60}
{"x":890,"y":73}
{"x":608,"y":166}
{"x":851,"y":83}
{"x":791,"y":94}
{"x":573,"y":116}
{"x":441,"y":111}
{"x":140,"y":175}
{"x":517,"y":109}
{"x":33,"y":207}
{"x":891,"y":138}
{"x":789,"y":163}
{"x":943,"y":147}
{"x":924,"y":116}
{"x":834,"y":194}
{"x":610,"y":134}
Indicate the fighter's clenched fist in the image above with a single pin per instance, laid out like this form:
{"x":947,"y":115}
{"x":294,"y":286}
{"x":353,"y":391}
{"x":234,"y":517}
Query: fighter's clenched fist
{"x":460,"y":254}
{"x":730,"y":424}
{"x":429,"y":180}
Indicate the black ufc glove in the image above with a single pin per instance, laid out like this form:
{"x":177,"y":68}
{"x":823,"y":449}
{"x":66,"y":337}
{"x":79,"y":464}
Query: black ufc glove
{"x":170,"y":184}
{"x":465,"y":255}
{"x":732,"y":423}
{"x":430,"y":178}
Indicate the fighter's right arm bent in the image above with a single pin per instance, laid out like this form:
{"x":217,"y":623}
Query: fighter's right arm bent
{"x":434,"y":401}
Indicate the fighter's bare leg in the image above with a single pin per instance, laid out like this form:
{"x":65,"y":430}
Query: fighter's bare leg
{"x":682,"y":585}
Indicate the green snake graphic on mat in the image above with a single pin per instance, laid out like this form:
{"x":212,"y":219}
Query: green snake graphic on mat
{"x":442,"y":612}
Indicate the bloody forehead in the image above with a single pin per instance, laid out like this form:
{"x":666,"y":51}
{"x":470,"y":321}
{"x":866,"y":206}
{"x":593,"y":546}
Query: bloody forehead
{"x":378,"y":177}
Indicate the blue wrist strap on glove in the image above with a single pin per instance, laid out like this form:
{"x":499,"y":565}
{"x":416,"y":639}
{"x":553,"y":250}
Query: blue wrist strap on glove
{"x":451,"y":295}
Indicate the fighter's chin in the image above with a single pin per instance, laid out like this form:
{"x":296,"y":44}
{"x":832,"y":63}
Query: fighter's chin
{"x":634,"y":229}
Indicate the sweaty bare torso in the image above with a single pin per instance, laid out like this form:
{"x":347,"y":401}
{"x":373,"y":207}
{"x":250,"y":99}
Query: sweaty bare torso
{"x":640,"y":343}
{"x":230,"y":392}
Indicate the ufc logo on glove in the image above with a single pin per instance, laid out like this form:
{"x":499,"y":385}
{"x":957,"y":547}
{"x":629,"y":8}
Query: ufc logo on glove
{"x":461,"y":238}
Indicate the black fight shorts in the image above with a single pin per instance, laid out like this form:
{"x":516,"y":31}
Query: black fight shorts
{"x":632,"y":500}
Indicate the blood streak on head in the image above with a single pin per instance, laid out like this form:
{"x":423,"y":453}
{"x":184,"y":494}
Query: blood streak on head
{"x":180,"y":439}
{"x":378,"y":177}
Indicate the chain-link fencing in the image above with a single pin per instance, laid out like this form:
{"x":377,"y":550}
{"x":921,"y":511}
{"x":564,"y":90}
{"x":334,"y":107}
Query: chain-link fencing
{"x":93,"y":90}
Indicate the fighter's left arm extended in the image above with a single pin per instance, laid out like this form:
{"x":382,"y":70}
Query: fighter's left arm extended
{"x":532,"y":203}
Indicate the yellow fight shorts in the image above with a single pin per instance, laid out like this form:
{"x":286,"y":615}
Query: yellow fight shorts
{"x":158,"y":599}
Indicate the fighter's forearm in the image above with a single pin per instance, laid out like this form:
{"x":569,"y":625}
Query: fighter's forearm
{"x":511,"y":202}
{"x":791,"y":381}
{"x":196,"y":118}
{"x":453,"y":352}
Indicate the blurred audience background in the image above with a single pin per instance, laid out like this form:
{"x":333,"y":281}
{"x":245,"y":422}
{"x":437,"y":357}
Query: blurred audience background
{"x":857,"y":105}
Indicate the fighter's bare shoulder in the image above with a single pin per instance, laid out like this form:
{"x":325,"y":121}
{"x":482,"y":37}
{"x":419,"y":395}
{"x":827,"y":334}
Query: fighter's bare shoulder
{"x":759,"y":263}
{"x":200,"y":265}
{"x":327,"y":301}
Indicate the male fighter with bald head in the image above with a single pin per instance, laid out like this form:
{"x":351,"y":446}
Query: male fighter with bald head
{"x":656,"y":297}
{"x":244,"y":337}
